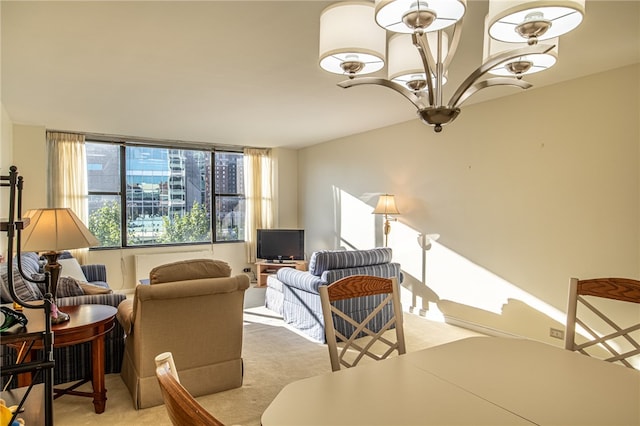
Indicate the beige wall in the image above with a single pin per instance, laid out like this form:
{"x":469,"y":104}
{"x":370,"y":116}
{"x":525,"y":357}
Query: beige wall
{"x":6,"y":157}
{"x":30,"y":156}
{"x":525,"y":192}
{"x":286,"y":187}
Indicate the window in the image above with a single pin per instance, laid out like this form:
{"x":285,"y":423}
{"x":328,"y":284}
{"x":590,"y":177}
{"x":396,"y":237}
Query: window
{"x":229,"y":198}
{"x":163,"y":195}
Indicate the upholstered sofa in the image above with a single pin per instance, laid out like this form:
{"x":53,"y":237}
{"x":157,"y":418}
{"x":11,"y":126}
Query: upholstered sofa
{"x":294,"y":294}
{"x":72,"y":362}
{"x":193,"y":309}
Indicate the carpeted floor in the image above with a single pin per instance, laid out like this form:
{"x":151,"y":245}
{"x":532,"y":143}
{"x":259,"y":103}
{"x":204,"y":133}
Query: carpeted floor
{"x":274,"y":356}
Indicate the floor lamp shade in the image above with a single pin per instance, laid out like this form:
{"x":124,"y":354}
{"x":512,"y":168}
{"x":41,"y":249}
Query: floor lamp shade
{"x":386,"y":205}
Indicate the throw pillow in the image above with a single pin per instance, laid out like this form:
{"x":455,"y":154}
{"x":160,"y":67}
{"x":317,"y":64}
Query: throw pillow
{"x":94,"y":289}
{"x":39,"y":281}
{"x":71,"y":268}
{"x":24,"y":290}
{"x":67,"y":287}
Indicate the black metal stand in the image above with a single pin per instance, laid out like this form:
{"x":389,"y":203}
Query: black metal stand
{"x":13,"y":226}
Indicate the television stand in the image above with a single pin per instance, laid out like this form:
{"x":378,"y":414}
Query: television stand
{"x":266,"y":268}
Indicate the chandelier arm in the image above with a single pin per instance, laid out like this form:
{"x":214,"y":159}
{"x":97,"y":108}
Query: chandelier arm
{"x":490,"y":63}
{"x":415,"y":100}
{"x":495,"y":81}
{"x":453,"y":44}
{"x":422,"y":44}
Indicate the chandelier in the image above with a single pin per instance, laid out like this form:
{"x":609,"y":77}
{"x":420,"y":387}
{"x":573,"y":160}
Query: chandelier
{"x":424,"y":38}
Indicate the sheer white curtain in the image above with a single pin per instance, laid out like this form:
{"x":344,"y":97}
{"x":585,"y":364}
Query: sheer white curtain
{"x":67,"y":183}
{"x":258,"y":195}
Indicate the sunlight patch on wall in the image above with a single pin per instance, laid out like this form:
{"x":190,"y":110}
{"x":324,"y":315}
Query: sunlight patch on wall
{"x":357,"y":224}
{"x":455,"y":278}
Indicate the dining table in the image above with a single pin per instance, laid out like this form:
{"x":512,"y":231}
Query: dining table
{"x":472,"y":381}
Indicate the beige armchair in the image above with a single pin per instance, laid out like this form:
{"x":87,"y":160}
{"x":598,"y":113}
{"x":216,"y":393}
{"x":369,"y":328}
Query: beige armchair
{"x":193,"y":309}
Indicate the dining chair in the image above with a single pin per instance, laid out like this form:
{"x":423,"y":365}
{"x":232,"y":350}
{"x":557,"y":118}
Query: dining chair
{"x":361,"y":341}
{"x":592,"y":332}
{"x":182,"y":408}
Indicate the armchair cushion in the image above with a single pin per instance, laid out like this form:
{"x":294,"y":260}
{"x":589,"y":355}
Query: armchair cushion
{"x":192,"y":269}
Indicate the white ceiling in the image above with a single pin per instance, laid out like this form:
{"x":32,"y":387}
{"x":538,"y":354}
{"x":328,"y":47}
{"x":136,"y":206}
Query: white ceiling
{"x":234,"y":72}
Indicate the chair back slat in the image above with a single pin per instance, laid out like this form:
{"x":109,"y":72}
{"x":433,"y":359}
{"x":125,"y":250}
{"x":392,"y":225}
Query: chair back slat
{"x":606,"y":339}
{"x":362,"y":340}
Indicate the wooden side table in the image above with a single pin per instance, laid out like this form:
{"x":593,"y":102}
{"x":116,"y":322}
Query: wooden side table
{"x":88,"y":323}
{"x":269,"y":268}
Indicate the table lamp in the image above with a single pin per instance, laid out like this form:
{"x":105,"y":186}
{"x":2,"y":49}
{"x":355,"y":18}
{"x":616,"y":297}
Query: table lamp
{"x":386,"y":206}
{"x":50,"y":231}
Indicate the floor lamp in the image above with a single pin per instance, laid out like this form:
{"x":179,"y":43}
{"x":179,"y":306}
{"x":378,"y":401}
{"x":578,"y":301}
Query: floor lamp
{"x":386,"y":206}
{"x":50,"y":232}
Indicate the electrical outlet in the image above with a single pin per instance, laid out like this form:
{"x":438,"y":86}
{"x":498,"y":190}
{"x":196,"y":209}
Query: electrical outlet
{"x":246,"y":270}
{"x":554,"y":332}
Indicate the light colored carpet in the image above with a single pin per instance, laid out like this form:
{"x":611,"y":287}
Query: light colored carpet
{"x":274,"y":355}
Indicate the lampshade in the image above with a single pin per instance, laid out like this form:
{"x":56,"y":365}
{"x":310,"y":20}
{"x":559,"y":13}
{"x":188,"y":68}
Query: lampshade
{"x":350,"y":39}
{"x":394,"y":15}
{"x":551,"y":18}
{"x":522,"y":65}
{"x":55,"y":230}
{"x":386,"y":205}
{"x":404,"y":63}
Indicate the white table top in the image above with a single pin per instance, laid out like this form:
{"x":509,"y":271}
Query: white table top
{"x":475,"y":381}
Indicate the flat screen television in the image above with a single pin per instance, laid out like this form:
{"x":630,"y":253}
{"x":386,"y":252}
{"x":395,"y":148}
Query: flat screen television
{"x":280,"y":244}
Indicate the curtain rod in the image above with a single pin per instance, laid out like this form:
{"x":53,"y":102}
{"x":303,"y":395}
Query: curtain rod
{"x":105,"y":137}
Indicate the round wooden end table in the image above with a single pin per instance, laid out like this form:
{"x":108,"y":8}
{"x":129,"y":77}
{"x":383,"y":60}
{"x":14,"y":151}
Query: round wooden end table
{"x":88,"y":323}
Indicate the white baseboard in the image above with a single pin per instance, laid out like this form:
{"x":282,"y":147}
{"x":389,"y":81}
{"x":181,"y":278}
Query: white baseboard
{"x":478,"y":327}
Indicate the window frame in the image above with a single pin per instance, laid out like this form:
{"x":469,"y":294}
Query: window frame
{"x":211,"y":150}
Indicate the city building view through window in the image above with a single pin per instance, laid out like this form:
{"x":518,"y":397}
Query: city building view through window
{"x":164,"y":195}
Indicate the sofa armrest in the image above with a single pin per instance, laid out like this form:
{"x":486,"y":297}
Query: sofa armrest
{"x":125,"y":315}
{"x":300,"y":279}
{"x":95,"y":272}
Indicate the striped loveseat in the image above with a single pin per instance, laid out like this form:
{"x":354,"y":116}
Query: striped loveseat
{"x":73,"y":363}
{"x":294,"y":294}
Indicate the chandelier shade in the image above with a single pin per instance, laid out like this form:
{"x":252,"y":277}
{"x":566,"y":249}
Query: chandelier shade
{"x":350,"y":41}
{"x":403,"y":16}
{"x":521,"y":65}
{"x":405,"y":66}
{"x":517,"y":21}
